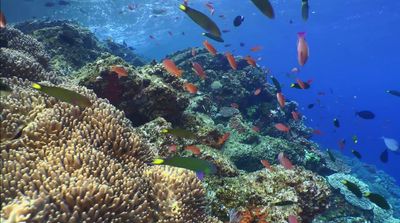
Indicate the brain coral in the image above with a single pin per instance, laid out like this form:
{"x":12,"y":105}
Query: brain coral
{"x":64,"y":164}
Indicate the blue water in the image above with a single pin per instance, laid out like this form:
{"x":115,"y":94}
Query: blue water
{"x":354,"y":53}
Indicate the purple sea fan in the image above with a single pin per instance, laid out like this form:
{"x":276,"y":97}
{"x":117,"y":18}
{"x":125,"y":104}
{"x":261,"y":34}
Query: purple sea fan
{"x":234,"y":216}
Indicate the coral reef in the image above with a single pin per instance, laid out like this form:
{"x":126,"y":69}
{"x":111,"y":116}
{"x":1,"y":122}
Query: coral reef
{"x":307,"y":193}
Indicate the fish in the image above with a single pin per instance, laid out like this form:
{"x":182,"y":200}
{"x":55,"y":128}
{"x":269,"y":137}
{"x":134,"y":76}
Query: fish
{"x":282,"y":127}
{"x":281,"y":99}
{"x":331,"y":156}
{"x":200,"y":166}
{"x":365,"y":114}
{"x":225,"y":30}
{"x":3,"y":21}
{"x":295,"y":115}
{"x":393,"y":92}
{"x":238,"y":20}
{"x":191,"y":88}
{"x":342,"y":143}
{"x":384,"y":157}
{"x":317,"y":132}
{"x":302,"y":49}
{"x":355,"y":139}
{"x":213,"y":37}
{"x":5,"y":90}
{"x":292,"y":219}
{"x":170,"y":66}
{"x":227,"y":45}
{"x":356,"y":154}
{"x":304,"y":9}
{"x":241,"y":44}
{"x":391,"y":144}
{"x":170,"y":33}
{"x":234,"y":105}
{"x":183,"y":133}
{"x":194,"y":149}
{"x":210,"y":7}
{"x":276,"y":84}
{"x":223,"y":138}
{"x":231,"y":60}
{"x":267,"y":165}
{"x":354,"y":188}
{"x":119,"y":70}
{"x":199,"y":70}
{"x":310,"y":106}
{"x":336,"y":123}
{"x":49,"y":4}
{"x":284,"y":203}
{"x":377,"y":199}
{"x":172,"y":148}
{"x":210,"y":48}
{"x":250,"y":61}
{"x":257,"y":91}
{"x":202,"y":20}
{"x":151,"y":37}
{"x":63,"y":2}
{"x":300,"y":84}
{"x":265,"y":7}
{"x":255,"y":128}
{"x":256,"y":48}
{"x":132,"y":6}
{"x":64,"y":95}
{"x":285,"y":162}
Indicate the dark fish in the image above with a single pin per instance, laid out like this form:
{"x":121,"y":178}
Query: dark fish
{"x":310,"y":106}
{"x":284,"y":203}
{"x":296,"y":85}
{"x":63,"y":2}
{"x":213,"y":37}
{"x":242,"y":44}
{"x":238,"y":20}
{"x":304,"y":9}
{"x":384,"y":157}
{"x":331,"y":156}
{"x":4,"y":89}
{"x":227,"y":45}
{"x":356,"y":154}
{"x":378,"y":200}
{"x":65,"y":95}
{"x":366,"y":114}
{"x":179,"y":132}
{"x":336,"y":122}
{"x":355,"y":139}
{"x":202,"y":20}
{"x":49,"y":4}
{"x":354,"y":188}
{"x":276,"y":84}
{"x":265,"y":7}
{"x":393,"y":92}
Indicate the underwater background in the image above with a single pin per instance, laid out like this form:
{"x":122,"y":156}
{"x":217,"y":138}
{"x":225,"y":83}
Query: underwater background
{"x":353,"y":61}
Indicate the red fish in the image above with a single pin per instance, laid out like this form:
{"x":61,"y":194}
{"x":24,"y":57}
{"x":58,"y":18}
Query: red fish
{"x":296,"y":115}
{"x":199,"y":70}
{"x":285,"y":162}
{"x":266,"y":164}
{"x":231,"y":60}
{"x":256,"y":128}
{"x":191,"y":88}
{"x":282,"y":127}
{"x":170,"y":66}
{"x":250,"y":61}
{"x":317,"y":132}
{"x":194,"y":149}
{"x":256,"y":48}
{"x":281,"y":99}
{"x":302,"y":49}
{"x":292,"y":219}
{"x":223,"y":138}
{"x":234,"y":105}
{"x":120,"y":71}
{"x":172,"y":148}
{"x":3,"y":21}
{"x":257,"y":91}
{"x":193,"y":52}
{"x":301,"y":84}
{"x":210,"y":48}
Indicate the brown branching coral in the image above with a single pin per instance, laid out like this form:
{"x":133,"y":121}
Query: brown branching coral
{"x":72,"y":165}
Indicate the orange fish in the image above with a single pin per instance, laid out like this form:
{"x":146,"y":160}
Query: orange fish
{"x":257,"y":91}
{"x":234,"y":105}
{"x":223,"y":138}
{"x":119,"y":70}
{"x":256,"y":48}
{"x":266,"y":164}
{"x":256,"y":128}
{"x":282,"y":127}
{"x":302,"y":49}
{"x":194,"y":149}
{"x":191,"y":88}
{"x":170,"y":66}
{"x":231,"y":60}
{"x":281,"y":99}
{"x":285,"y":162}
{"x":296,"y":115}
{"x":199,"y":70}
{"x":210,"y":48}
{"x":3,"y":21}
{"x":317,"y":132}
{"x":172,"y":148}
{"x":250,"y":61}
{"x":301,"y":84}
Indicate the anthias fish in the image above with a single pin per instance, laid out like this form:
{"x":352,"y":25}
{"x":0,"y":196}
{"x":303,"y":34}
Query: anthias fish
{"x":302,"y":49}
{"x":170,"y":66}
{"x":231,"y":60}
{"x":210,"y":48}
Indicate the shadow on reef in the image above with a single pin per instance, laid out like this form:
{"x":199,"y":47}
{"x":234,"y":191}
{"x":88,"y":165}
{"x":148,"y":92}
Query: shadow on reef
{"x":93,"y":163}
